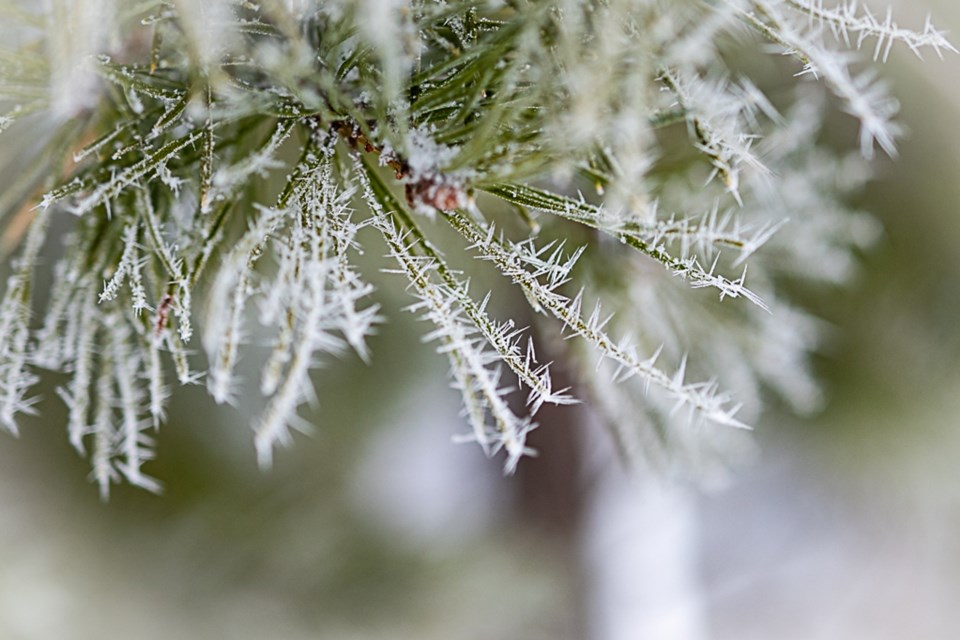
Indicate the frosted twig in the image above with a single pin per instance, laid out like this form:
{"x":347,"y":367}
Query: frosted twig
{"x":647,"y":241}
{"x":469,"y":362}
{"x":513,"y":260}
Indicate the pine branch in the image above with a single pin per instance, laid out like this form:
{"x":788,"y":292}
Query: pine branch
{"x":230,"y":155}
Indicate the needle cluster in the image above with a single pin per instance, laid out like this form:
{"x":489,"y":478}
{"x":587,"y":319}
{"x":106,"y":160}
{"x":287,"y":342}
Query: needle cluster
{"x":220,"y":165}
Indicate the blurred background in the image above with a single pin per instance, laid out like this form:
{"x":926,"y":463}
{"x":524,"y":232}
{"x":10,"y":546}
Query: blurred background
{"x":845,"y":525}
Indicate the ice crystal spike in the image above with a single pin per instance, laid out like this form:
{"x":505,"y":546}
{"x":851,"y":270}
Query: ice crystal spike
{"x":227,"y":163}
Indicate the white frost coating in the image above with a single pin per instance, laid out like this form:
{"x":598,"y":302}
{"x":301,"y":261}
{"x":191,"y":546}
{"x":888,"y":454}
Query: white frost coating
{"x":703,"y":399}
{"x":721,"y":121}
{"x":300,"y":8}
{"x":77,"y":396}
{"x":79,"y":30}
{"x":16,"y":378}
{"x":103,"y":427}
{"x":314,"y":299}
{"x":135,"y":446}
{"x":227,"y":180}
{"x":126,"y":266}
{"x":273,"y":427}
{"x":470,"y":363}
{"x":652,"y":238}
{"x":157,"y":389}
{"x":227,"y":299}
{"x":795,"y":24}
{"x":854,"y":23}
{"x":385,"y":25}
{"x":426,"y":156}
{"x":105,"y":191}
{"x":211,"y":27}
{"x":429,"y":186}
